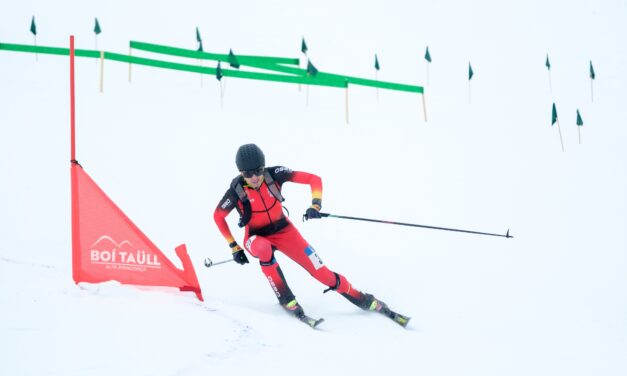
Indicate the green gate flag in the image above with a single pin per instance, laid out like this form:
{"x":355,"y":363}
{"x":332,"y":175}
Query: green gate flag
{"x":97,"y":28}
{"x":428,"y":55}
{"x":376,"y":62}
{"x":198,"y":38}
{"x":579,"y":119}
{"x":219,"y":72}
{"x":470,"y":72}
{"x":553,"y":115}
{"x":200,"y":49}
{"x":233,"y":60}
{"x":303,"y":46}
{"x":547,"y":63}
{"x":33,"y":27}
{"x":311,"y":70}
{"x":592,"y":75}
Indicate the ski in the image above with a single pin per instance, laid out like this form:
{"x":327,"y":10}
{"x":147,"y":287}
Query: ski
{"x":313,"y":323}
{"x":401,"y":320}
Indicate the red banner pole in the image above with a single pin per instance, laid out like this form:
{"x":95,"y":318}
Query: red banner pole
{"x":76,"y":252}
{"x":72,"y":100}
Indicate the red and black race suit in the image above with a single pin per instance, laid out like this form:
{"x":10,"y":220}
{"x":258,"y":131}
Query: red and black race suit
{"x":269,"y":230}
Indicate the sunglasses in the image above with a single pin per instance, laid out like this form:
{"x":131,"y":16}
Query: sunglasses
{"x":250,"y":173}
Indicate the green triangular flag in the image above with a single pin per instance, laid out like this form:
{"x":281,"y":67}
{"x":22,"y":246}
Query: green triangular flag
{"x":219,"y":72}
{"x":428,"y":55}
{"x":579,"y":119}
{"x":376,"y":62}
{"x":33,"y":27}
{"x":200,"y":49}
{"x":470,"y":72}
{"x":303,"y":46}
{"x":97,"y":28}
{"x":311,"y":70}
{"x":547,"y":63}
{"x":553,"y":115}
{"x":233,"y":60}
{"x":198,"y":38}
{"x":592,"y":75}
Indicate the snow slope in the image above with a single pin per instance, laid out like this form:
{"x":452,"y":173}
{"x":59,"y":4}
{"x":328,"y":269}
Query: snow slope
{"x":548,"y":302}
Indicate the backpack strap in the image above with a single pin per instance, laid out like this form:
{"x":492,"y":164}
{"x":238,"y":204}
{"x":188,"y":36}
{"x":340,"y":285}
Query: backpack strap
{"x":236,"y":186}
{"x":272,"y":186}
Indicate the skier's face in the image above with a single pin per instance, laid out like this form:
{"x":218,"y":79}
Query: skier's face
{"x":254,"y":178}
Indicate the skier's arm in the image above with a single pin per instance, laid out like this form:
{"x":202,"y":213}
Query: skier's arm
{"x":225,"y":206}
{"x":314,"y":181}
{"x":282,"y":174}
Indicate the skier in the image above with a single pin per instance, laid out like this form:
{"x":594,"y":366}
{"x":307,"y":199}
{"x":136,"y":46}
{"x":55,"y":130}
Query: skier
{"x":256,"y":195}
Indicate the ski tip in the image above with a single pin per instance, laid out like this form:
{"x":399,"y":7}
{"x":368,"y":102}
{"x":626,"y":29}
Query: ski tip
{"x":313,"y":323}
{"x":402,"y":321}
{"x":508,"y":235}
{"x":317,"y":322}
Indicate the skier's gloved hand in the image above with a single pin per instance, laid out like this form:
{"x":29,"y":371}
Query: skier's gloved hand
{"x":240,"y":257}
{"x":313,"y":212}
{"x":238,"y":254}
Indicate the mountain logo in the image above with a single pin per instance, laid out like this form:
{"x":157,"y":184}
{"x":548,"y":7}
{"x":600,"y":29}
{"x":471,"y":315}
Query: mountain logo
{"x":123,"y":255}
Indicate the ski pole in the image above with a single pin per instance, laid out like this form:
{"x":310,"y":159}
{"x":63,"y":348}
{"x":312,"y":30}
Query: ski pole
{"x":507,"y":235}
{"x":209,"y":263}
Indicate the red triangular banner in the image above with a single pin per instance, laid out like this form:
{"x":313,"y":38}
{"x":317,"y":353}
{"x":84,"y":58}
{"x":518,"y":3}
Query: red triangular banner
{"x":106,"y":244}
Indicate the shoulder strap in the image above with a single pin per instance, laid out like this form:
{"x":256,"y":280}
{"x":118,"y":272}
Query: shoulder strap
{"x":236,"y":186}
{"x":272,"y":186}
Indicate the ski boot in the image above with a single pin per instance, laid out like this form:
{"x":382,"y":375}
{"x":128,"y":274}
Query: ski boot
{"x":297,"y":311}
{"x":294,"y":308}
{"x":368,"y":302}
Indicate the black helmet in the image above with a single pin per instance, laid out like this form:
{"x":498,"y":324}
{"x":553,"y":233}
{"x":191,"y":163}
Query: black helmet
{"x":249,"y":157}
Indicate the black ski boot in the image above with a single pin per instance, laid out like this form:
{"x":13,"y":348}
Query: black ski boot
{"x":297,"y":311}
{"x":293,"y":308}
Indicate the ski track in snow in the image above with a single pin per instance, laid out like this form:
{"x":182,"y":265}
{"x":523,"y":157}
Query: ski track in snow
{"x":26,"y":263}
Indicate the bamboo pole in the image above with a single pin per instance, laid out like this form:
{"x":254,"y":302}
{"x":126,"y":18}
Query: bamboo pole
{"x":424,"y":107}
{"x":376,"y":77}
{"x":346,"y":103}
{"x":101,"y":71}
{"x":224,"y":80}
{"x":550,"y":83}
{"x":469,"y":98}
{"x":201,"y":75}
{"x":428,"y":73}
{"x":130,"y":53}
{"x":560,"y":132}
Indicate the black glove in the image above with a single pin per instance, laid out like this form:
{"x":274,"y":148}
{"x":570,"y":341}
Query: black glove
{"x":238,"y":254}
{"x":313,"y":212}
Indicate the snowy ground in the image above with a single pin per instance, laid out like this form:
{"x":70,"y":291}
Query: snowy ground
{"x":551,"y":301}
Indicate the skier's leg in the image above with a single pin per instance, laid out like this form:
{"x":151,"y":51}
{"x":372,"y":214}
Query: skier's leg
{"x":291,"y":242}
{"x":262,"y":249}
